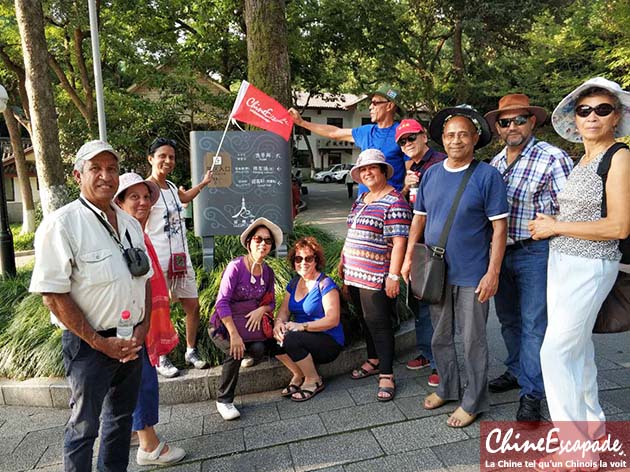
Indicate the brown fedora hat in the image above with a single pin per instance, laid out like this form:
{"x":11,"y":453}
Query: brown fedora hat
{"x":515,"y":101}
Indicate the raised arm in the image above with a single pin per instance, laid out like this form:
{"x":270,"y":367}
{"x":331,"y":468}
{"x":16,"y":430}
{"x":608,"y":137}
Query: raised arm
{"x":187,"y":195}
{"x":328,"y":131}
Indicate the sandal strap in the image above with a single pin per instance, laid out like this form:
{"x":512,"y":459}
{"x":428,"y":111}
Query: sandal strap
{"x":374,"y":366}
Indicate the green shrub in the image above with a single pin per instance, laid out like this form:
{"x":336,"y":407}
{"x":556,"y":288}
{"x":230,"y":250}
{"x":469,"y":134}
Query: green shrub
{"x":22,"y":242}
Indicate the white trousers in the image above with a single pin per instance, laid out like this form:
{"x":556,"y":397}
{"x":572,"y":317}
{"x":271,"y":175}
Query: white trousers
{"x":576,"y":289}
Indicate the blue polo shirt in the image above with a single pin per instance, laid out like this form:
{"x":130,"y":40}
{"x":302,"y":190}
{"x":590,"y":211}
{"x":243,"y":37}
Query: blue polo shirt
{"x":383,"y":139}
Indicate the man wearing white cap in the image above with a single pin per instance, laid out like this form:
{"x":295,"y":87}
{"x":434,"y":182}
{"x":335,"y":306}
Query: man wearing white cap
{"x":90,"y":267}
{"x":384,"y":105}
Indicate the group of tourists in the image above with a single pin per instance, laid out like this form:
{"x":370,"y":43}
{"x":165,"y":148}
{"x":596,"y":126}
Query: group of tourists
{"x":527,"y":230}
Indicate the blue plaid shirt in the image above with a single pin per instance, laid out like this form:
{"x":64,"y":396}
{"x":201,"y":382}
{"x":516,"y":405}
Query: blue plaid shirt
{"x":533,"y":184}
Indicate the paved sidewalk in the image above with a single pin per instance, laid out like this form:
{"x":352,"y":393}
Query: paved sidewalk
{"x":342,"y":429}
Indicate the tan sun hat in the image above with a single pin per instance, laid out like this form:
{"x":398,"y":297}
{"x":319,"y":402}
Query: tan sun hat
{"x":274,"y":229}
{"x":130,"y":179}
{"x":367,"y":158}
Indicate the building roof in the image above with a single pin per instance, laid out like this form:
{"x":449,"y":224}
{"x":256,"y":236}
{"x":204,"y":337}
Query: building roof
{"x":334,"y":101}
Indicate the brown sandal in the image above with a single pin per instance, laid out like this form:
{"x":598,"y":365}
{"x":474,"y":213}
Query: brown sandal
{"x":463,"y":416}
{"x":362,"y":373}
{"x":433,"y":401}
{"x":291,"y":389}
{"x":389,"y":391}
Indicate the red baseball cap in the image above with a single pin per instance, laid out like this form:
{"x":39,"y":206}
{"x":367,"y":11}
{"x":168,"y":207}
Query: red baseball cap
{"x":408,"y":126}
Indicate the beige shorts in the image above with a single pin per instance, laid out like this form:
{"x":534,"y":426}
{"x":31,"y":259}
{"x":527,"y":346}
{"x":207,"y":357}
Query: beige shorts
{"x":185,"y":287}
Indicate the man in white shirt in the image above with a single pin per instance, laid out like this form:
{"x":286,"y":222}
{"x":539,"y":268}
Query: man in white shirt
{"x":83,"y":269}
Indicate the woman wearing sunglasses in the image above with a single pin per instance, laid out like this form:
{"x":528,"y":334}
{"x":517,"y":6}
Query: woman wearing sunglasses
{"x":584,"y":251}
{"x":246,"y":293}
{"x":167,"y":229}
{"x":314,"y":336}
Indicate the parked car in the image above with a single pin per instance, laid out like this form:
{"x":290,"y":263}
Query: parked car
{"x":326,"y":176}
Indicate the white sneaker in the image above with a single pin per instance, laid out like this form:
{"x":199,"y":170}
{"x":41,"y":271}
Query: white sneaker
{"x":174,"y":454}
{"x":228,"y":411}
{"x":194,"y":359}
{"x":166,"y":368}
{"x":247,"y":361}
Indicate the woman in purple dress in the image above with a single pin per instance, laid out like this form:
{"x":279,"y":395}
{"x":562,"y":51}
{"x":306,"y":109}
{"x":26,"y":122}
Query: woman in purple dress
{"x":245,"y":295}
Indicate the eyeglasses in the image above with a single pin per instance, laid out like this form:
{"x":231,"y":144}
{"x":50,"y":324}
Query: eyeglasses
{"x":603,"y":109}
{"x":260,"y":239}
{"x":409,"y":139}
{"x":378,"y":102}
{"x":519,"y":120}
{"x":307,"y":259}
{"x":159,"y":142}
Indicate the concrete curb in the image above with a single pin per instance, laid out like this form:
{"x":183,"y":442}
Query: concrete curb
{"x":197,"y":385}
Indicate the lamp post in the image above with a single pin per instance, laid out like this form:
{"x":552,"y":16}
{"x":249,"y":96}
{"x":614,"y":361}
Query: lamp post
{"x":7,"y":256}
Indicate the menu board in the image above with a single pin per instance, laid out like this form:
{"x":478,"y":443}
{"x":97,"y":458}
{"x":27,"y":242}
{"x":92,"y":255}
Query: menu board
{"x":251,"y":178}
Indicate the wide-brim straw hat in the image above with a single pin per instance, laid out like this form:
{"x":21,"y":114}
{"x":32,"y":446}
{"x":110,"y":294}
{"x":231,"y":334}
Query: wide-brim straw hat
{"x":130,"y":179}
{"x":274,"y":229}
{"x":370,"y":157}
{"x":436,"y":127}
{"x":515,"y":101}
{"x":563,"y":117}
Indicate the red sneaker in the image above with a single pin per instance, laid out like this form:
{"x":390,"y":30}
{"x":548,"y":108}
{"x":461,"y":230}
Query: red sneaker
{"x":434,"y":379}
{"x":418,"y":363}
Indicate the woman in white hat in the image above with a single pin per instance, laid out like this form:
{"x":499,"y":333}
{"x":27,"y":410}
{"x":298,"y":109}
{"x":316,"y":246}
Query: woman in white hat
{"x":378,"y":226}
{"x":246,"y":293}
{"x":584,"y":251}
{"x":136,"y":196}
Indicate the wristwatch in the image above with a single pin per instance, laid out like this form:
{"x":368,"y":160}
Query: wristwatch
{"x":305,"y":325}
{"x":394,"y":277}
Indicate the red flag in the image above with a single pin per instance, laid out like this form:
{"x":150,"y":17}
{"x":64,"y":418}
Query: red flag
{"x":259,"y":109}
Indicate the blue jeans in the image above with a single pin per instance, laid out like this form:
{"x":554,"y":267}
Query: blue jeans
{"x":147,"y":407}
{"x":521,"y":305}
{"x":98,"y":383}
{"x":424,"y":329}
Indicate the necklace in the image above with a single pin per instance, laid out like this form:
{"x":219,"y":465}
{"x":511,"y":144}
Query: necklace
{"x":252,"y":267}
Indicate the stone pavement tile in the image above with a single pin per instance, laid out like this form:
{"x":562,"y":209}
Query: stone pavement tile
{"x":190,"y":467}
{"x":261,"y":397}
{"x":164,"y":413}
{"x":327,"y":400}
{"x":605,"y":384}
{"x":504,"y":397}
{"x":417,"y":434}
{"x":615,"y":401}
{"x":360,"y":417}
{"x":414,"y":461}
{"x":283,"y":431}
{"x":620,"y":377}
{"x":22,"y":458}
{"x":180,"y":429}
{"x":270,"y":459}
{"x":336,"y":468}
{"x":334,"y":450}
{"x":619,"y":417}
{"x":605,"y":364}
{"x":53,"y":455}
{"x":21,"y":420}
{"x":462,"y":456}
{"x":192,"y":410}
{"x":404,"y":388}
{"x":345,"y":382}
{"x":251,"y":415}
{"x":212,"y":445}
{"x":412,"y":407}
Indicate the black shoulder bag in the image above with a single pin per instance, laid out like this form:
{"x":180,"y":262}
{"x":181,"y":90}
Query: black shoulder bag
{"x":614,"y":314}
{"x":428,"y":267}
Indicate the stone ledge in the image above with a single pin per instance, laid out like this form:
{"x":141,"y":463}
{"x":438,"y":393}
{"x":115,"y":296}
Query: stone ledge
{"x":197,"y":385}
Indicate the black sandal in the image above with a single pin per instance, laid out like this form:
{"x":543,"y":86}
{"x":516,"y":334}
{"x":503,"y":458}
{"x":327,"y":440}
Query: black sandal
{"x":362,"y":373}
{"x":305,"y":394}
{"x":291,"y":389}
{"x":390,"y":391}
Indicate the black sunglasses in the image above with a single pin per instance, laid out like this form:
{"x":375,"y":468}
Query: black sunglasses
{"x":409,"y":139}
{"x":159,"y":142}
{"x":603,"y":109}
{"x":260,"y":239}
{"x":519,"y":120}
{"x":378,"y":102}
{"x":307,"y":259}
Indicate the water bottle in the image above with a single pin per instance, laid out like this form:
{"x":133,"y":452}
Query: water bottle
{"x":413,"y":191}
{"x":124,"y":330}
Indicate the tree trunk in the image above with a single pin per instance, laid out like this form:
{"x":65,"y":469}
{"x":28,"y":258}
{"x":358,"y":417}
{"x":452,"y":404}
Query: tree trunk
{"x":267,"y":49}
{"x":458,"y":63}
{"x":45,"y":133}
{"x":28,"y":208}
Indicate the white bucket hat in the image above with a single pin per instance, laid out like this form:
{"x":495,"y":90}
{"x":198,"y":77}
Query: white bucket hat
{"x":368,"y":158}
{"x":274,"y":229}
{"x":130,"y":179}
{"x":563,"y":117}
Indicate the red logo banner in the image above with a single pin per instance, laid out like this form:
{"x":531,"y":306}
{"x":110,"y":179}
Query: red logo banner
{"x":257,"y":108}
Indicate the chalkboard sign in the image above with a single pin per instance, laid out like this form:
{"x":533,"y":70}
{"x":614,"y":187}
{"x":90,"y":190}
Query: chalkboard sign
{"x":252,"y":179}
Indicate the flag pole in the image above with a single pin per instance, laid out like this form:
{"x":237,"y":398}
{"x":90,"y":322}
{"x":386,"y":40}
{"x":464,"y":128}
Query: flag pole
{"x":216,"y":157}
